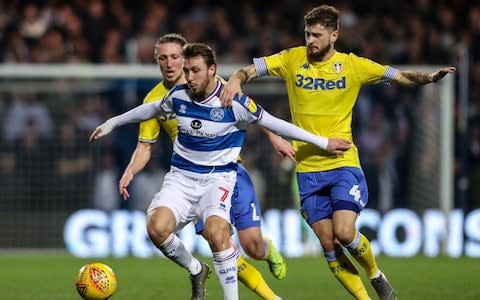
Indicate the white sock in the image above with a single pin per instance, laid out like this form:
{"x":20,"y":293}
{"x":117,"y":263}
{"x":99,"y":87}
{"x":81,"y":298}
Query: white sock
{"x":225,"y":263}
{"x":174,"y":249}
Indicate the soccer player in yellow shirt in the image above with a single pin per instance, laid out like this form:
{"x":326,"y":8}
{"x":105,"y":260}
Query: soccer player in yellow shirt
{"x":323,"y":85}
{"x":168,"y":54}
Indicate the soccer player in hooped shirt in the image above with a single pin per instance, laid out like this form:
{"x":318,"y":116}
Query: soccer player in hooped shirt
{"x":204,"y":163}
{"x":323,"y":86}
{"x":245,"y":206}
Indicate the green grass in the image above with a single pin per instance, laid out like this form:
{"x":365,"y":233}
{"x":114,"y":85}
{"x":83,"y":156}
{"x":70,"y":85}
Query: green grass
{"x":26,"y":277}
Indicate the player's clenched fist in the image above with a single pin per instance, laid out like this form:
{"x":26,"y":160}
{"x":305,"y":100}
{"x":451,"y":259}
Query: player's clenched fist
{"x":100,"y":131}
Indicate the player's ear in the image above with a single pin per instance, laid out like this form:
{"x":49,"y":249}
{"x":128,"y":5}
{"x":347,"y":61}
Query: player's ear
{"x":212,"y":70}
{"x":334,"y":36}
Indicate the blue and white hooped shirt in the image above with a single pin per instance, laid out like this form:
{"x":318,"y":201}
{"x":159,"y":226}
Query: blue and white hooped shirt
{"x":210,"y":136}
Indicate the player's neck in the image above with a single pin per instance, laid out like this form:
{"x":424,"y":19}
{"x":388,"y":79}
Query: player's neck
{"x":212,"y":84}
{"x":320,"y":59}
{"x":328,"y":55}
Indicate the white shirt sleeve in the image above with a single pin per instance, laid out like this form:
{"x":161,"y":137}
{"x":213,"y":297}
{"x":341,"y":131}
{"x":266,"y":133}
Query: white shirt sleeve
{"x":291,"y":131}
{"x":246,"y":109}
{"x":137,"y":114}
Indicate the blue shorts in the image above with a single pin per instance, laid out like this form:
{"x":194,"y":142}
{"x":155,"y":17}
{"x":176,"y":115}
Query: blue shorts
{"x":322,"y":193}
{"x":245,"y":211}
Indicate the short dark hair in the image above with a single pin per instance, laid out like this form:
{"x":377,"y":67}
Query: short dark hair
{"x":169,"y":38}
{"x":200,"y":49}
{"x":324,"y":14}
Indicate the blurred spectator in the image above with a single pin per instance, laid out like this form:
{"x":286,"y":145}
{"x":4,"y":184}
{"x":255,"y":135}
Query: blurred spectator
{"x":474,"y":167}
{"x":33,"y":24}
{"x":34,"y":167}
{"x":11,"y":182}
{"x":88,"y":113}
{"x":96,"y":23}
{"x":375,"y":151}
{"x":105,"y":193}
{"x":73,"y":164}
{"x":24,"y":109}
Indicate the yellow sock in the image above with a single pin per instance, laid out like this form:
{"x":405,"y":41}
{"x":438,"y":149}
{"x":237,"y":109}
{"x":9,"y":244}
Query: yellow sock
{"x":361,"y":250}
{"x":253,"y":280}
{"x":345,"y":272}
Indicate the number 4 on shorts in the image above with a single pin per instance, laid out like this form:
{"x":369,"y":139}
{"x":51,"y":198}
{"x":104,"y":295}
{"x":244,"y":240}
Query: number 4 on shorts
{"x":355,"y":192}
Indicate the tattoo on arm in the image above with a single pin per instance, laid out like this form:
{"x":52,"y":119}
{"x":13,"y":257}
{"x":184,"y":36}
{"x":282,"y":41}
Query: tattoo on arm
{"x":416,"y":78}
{"x":245,"y":77}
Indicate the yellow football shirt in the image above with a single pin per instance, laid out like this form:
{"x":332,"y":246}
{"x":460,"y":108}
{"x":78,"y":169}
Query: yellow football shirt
{"x":150,"y":129}
{"x":321,"y":97}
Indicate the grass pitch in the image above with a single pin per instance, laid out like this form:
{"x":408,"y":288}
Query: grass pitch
{"x":51,"y":277}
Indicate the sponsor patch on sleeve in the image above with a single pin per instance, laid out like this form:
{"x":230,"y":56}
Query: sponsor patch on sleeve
{"x":251,"y":106}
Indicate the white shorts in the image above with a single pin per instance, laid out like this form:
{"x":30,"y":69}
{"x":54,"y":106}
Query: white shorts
{"x":191,"y":195}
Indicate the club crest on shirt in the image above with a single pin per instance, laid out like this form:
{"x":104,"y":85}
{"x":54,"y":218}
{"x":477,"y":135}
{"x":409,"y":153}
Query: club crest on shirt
{"x":250,"y":104}
{"x":337,"y":67}
{"x":216,"y":114}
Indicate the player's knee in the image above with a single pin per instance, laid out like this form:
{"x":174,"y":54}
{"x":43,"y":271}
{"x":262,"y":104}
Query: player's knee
{"x":218,"y":235}
{"x":157,"y":231}
{"x":344,"y":234}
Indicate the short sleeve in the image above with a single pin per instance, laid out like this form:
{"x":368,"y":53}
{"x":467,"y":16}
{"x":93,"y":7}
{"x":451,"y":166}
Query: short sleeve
{"x":274,"y":65}
{"x":368,"y":71}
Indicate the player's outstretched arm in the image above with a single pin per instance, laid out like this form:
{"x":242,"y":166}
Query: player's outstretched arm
{"x":233,"y":86}
{"x":140,"y":158}
{"x":288,"y":130}
{"x":135,"y":115}
{"x":282,"y":147}
{"x":414,"y":78}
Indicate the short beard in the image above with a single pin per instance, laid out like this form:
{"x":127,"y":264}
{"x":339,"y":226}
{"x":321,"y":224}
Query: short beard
{"x":318,"y":56}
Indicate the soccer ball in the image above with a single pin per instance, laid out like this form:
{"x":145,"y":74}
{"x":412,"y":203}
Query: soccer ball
{"x":96,"y":281}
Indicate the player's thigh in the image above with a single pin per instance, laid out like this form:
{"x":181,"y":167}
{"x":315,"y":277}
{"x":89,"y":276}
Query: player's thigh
{"x":316,"y":203}
{"x":246,"y":209}
{"x":176,"y":195}
{"x":216,"y":197}
{"x":349,"y":189}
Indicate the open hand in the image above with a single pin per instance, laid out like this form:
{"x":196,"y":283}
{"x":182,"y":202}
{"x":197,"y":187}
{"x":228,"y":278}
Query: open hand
{"x":283,"y":147}
{"x":123,"y":184}
{"x":230,"y":89}
{"x":338,"y":146}
{"x":436,"y":76}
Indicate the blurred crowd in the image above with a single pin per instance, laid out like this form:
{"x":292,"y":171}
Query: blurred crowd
{"x":124,"y":32}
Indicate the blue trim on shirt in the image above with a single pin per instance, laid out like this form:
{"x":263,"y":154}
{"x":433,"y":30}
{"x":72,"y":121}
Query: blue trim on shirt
{"x":184,"y":164}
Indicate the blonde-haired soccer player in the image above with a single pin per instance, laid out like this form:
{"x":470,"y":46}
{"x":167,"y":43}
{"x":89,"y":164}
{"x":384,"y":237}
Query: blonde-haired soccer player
{"x":323,"y":85}
{"x":168,"y":54}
